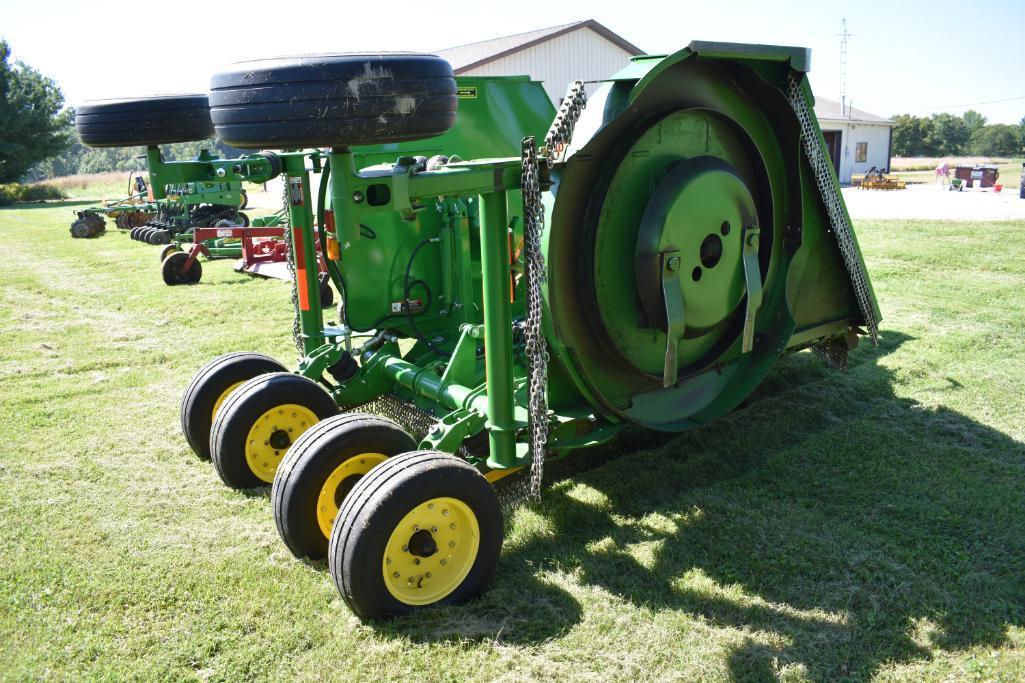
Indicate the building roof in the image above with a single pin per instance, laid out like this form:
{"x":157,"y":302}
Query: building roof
{"x":465,"y":57}
{"x":830,"y":109}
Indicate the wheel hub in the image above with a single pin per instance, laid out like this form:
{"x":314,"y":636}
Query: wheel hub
{"x":338,"y":484}
{"x":430,"y":551}
{"x":271,"y":435}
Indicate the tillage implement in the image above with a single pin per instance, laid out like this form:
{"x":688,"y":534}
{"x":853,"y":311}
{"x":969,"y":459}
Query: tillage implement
{"x":170,"y":203}
{"x":516,"y":283}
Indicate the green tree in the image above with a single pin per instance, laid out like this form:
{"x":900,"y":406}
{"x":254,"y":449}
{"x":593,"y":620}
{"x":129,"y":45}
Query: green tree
{"x":32,"y":125}
{"x":913,"y":136}
{"x":997,"y":140}
{"x":974,"y":120}
{"x":950,"y":135}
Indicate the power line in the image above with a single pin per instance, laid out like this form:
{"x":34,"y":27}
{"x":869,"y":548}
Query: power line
{"x":966,"y":104}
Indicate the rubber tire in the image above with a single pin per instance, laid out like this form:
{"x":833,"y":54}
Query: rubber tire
{"x":333,"y":100}
{"x":168,"y":250}
{"x":244,"y":202}
{"x":244,"y":406}
{"x":207,"y":386}
{"x":159,"y":237}
{"x":146,"y":121}
{"x":171,"y":270}
{"x":309,"y":462}
{"x":376,"y":505}
{"x":134,"y":233}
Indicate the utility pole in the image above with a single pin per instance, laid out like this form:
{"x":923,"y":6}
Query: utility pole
{"x":844,"y":35}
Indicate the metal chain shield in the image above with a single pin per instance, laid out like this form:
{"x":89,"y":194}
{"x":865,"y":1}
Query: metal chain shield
{"x":830,"y":194}
{"x":536,"y":348}
{"x":290,"y":261}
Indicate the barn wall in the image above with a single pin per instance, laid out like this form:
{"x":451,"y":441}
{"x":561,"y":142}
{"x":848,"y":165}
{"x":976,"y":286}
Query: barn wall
{"x":852,"y":132}
{"x":580,"y":54}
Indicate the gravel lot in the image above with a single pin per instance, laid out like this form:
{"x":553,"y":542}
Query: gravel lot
{"x":935,"y":202}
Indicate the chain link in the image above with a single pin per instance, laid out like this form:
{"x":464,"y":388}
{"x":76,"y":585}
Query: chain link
{"x":536,"y":348}
{"x":290,"y":261}
{"x":838,"y":220}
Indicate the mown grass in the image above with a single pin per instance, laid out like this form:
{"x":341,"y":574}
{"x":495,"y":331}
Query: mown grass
{"x":837,"y":526}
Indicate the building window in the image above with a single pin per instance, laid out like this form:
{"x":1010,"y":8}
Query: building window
{"x":861,"y":153}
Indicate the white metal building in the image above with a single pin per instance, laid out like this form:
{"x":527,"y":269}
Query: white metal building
{"x":586,"y":50}
{"x":557,"y":56}
{"x":857,"y":140}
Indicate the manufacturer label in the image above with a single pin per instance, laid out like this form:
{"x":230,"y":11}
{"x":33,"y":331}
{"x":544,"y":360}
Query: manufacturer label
{"x":467,"y":93}
{"x":224,"y":232}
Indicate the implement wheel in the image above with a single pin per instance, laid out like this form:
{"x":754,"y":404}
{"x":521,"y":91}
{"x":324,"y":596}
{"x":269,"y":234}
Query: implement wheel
{"x":157,"y":120}
{"x":327,"y":295}
{"x":333,"y":100}
{"x":243,"y":199}
{"x":168,"y":250}
{"x":321,"y":468}
{"x":259,"y":421}
{"x":422,"y":528}
{"x":174,"y":272}
{"x":211,"y":386}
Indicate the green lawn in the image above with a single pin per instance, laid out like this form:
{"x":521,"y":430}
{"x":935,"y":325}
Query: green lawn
{"x":867,"y":525}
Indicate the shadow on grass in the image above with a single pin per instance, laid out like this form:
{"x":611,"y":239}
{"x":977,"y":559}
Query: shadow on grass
{"x":855,"y":526}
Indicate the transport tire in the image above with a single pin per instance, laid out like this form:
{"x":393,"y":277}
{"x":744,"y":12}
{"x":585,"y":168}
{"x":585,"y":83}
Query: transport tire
{"x":327,"y":295}
{"x":259,"y":421}
{"x":333,"y":100}
{"x":243,"y":200}
{"x":173,"y":270}
{"x":422,"y":528}
{"x":209,"y":389}
{"x":82,"y":229}
{"x":321,"y":468}
{"x":148,"y":121}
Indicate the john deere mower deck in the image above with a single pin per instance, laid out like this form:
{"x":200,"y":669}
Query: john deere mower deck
{"x":501,"y":303}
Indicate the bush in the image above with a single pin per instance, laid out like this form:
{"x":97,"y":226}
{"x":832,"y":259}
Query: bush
{"x":34,"y":192}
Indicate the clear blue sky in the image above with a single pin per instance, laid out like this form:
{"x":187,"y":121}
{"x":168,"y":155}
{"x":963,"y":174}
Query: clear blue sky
{"x":906,"y":56}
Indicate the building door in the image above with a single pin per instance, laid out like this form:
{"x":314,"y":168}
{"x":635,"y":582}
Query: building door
{"x":833,"y":145}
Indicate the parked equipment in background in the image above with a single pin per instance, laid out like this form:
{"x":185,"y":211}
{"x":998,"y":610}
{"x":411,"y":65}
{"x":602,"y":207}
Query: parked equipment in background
{"x":875,"y":179}
{"x":984,"y":174}
{"x":695,"y":233}
{"x":127,"y":213}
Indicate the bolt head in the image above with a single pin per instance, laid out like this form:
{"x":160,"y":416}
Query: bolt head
{"x":673,"y":263}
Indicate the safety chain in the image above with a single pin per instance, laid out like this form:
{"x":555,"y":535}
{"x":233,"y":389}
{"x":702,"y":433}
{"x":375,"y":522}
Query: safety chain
{"x":535,"y":345}
{"x":536,"y":348}
{"x":838,"y":220}
{"x":290,"y":261}
{"x":561,"y":131}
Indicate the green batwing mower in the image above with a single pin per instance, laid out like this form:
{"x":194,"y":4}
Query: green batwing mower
{"x":505,"y":301}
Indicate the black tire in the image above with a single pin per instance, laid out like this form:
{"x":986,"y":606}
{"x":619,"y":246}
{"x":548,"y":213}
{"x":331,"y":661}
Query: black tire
{"x":159,"y":237}
{"x":149,"y":121}
{"x":244,"y":199}
{"x":168,"y":250}
{"x":333,"y":100}
{"x":353,"y":441}
{"x":143,"y":234}
{"x":380,"y":501}
{"x":210,"y":386}
{"x":172,"y":269}
{"x":134,"y":233}
{"x":243,"y":410}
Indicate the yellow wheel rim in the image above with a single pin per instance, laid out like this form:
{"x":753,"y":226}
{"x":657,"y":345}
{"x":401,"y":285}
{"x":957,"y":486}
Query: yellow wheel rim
{"x":220,"y":399}
{"x":431,"y":551}
{"x":329,"y":498}
{"x":272,"y":434}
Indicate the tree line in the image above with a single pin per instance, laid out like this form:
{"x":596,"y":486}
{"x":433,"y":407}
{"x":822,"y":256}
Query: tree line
{"x":942,"y":135}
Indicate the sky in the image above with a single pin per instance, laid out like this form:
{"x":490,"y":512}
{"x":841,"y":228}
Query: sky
{"x":905,"y":56}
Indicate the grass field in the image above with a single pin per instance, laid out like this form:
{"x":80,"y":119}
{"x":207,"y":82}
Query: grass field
{"x":838,"y":526}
